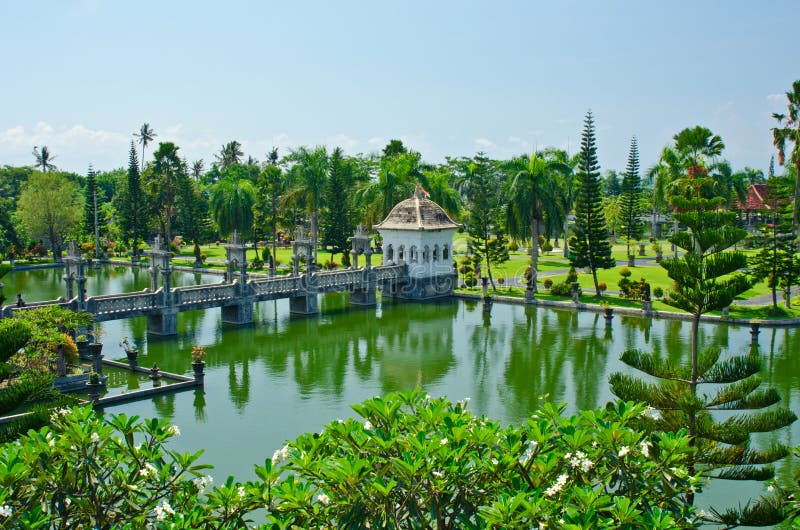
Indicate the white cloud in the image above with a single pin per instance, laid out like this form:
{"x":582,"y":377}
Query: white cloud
{"x":344,"y":141}
{"x":775,"y":97}
{"x":484,"y":143}
{"x":377,"y":140}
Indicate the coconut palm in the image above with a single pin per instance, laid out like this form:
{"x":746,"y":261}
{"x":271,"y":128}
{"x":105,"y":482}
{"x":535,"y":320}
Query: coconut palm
{"x":395,"y":181}
{"x":309,"y":173}
{"x":197,"y":169}
{"x":662,"y":176}
{"x":231,"y":153}
{"x":532,"y":186}
{"x":436,"y":181}
{"x":145,"y":135}
{"x":698,"y":142}
{"x":44,"y":159}
{"x":788,"y":130}
{"x":232,"y":205}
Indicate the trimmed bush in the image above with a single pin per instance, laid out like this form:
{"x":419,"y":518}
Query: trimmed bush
{"x":548,"y":283}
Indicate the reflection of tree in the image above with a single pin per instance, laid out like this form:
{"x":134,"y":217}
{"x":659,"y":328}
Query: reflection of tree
{"x":239,"y":388}
{"x":199,"y":403}
{"x":486,"y":345}
{"x":165,"y":405}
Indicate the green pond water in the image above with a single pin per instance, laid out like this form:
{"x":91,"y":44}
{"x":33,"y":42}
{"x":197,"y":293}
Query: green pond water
{"x":285,"y":375}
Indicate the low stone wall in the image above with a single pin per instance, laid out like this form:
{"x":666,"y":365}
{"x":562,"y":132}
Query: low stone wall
{"x":568,"y":305}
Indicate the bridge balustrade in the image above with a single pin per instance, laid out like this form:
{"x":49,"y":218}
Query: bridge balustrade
{"x":389,"y":272}
{"x":203,"y":293}
{"x":275,"y":286}
{"x":121,"y":303}
{"x":324,"y":280}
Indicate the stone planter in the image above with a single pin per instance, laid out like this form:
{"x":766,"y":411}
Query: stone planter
{"x":199,"y":374}
{"x":133,"y":357}
{"x":631,"y":260}
{"x":83,"y":348}
{"x":94,"y":390}
{"x":641,"y":249}
{"x":608,"y":314}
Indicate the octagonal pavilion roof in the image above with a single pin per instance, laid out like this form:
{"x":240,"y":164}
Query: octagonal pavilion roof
{"x":417,"y":213}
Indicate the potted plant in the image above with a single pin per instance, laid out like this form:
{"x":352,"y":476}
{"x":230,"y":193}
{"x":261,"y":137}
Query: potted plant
{"x":93,"y":385}
{"x":131,"y":351}
{"x":198,"y":353}
{"x":82,"y":342}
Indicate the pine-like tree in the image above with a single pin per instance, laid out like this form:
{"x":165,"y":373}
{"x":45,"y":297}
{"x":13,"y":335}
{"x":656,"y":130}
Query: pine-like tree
{"x":592,"y":246}
{"x":90,"y":201}
{"x":706,"y":279}
{"x":777,"y":261}
{"x":631,"y":207}
{"x":485,"y":188}
{"x":337,"y":220}
{"x":133,"y":208}
{"x":194,"y":220}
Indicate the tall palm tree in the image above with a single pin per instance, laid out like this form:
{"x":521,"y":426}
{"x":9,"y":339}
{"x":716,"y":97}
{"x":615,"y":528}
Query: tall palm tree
{"x":232,"y":205}
{"x":197,"y":169}
{"x":309,"y":173}
{"x":168,"y":171}
{"x":788,"y":130}
{"x":663,"y":176}
{"x":698,"y":142}
{"x":231,"y":153}
{"x":531,"y":188}
{"x":44,"y":159}
{"x":436,"y":181}
{"x":395,"y":181}
{"x":145,"y":135}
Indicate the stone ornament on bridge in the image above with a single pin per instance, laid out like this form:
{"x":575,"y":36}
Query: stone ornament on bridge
{"x":361,"y":245}
{"x":301,"y":247}
{"x":236,"y":256}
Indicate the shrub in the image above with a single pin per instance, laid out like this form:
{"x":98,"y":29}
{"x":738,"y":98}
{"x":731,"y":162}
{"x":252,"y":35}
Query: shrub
{"x":513,"y":246}
{"x":547,"y":246}
{"x":548,"y":283}
{"x":625,"y":272}
{"x":203,"y":257}
{"x":501,"y":280}
{"x":602,"y":286}
{"x":563,"y":289}
{"x":572,"y":275}
{"x":658,"y":292}
{"x":411,"y":462}
{"x":470,"y":280}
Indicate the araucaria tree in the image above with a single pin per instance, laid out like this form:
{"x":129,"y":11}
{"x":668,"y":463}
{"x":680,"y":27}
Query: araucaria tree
{"x":777,"y":261}
{"x":592,"y":248}
{"x":133,"y":208}
{"x":706,"y":278}
{"x":631,"y":207}
{"x":167,"y":172}
{"x":485,"y":231}
{"x":336,"y":218}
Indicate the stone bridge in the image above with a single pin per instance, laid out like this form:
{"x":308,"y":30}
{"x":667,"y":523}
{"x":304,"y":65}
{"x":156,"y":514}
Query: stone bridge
{"x":236,"y":294}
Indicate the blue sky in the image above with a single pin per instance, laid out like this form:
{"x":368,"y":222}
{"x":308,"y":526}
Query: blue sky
{"x":449,"y":78}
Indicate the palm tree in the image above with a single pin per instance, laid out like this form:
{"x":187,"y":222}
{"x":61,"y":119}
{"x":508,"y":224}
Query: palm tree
{"x":168,"y":171}
{"x":698,"y":142}
{"x":663,"y":176}
{"x":788,"y":130}
{"x":44,"y":159}
{"x":231,"y":153}
{"x":232,"y":205}
{"x":395,"y":181}
{"x":436,"y":181}
{"x":530,"y":188}
{"x":145,"y":135}
{"x":310,"y":176}
{"x":197,"y":169}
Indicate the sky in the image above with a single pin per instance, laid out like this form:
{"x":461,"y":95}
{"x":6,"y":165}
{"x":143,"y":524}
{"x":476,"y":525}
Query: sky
{"x":448,"y":78}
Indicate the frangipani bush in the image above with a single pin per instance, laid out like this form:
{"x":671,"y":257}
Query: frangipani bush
{"x":411,"y":462}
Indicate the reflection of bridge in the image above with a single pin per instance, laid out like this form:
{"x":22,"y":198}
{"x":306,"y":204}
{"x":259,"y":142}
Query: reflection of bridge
{"x":236,"y":295}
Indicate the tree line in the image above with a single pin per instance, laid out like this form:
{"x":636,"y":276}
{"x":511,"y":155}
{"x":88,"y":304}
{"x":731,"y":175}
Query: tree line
{"x":546,"y":199}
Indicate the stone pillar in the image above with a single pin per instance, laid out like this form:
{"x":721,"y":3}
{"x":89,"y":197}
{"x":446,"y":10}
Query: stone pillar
{"x":238,"y":314}
{"x":69,"y":279}
{"x":165,"y":273}
{"x":608,"y":314}
{"x":305,"y":304}
{"x":755,"y":329}
{"x":295,"y":265}
{"x":81,"y":286}
{"x":575,"y":293}
{"x":165,"y":323}
{"x":368,"y":255}
{"x":354,"y":255}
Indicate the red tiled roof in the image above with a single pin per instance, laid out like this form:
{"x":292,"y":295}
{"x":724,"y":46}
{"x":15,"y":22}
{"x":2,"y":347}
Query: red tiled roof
{"x":756,"y":198}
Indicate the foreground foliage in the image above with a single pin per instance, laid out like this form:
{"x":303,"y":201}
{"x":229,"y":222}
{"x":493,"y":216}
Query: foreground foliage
{"x":413,"y":462}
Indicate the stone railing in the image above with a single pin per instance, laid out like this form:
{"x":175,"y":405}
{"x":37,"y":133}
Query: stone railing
{"x":275,"y":285}
{"x":8,"y":310}
{"x":199,"y":294}
{"x":121,"y":303}
{"x":324,"y":280}
{"x":389,"y":272}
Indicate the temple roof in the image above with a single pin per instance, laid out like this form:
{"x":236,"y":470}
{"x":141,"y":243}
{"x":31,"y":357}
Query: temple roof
{"x":417,"y":213}
{"x":755,"y":199}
